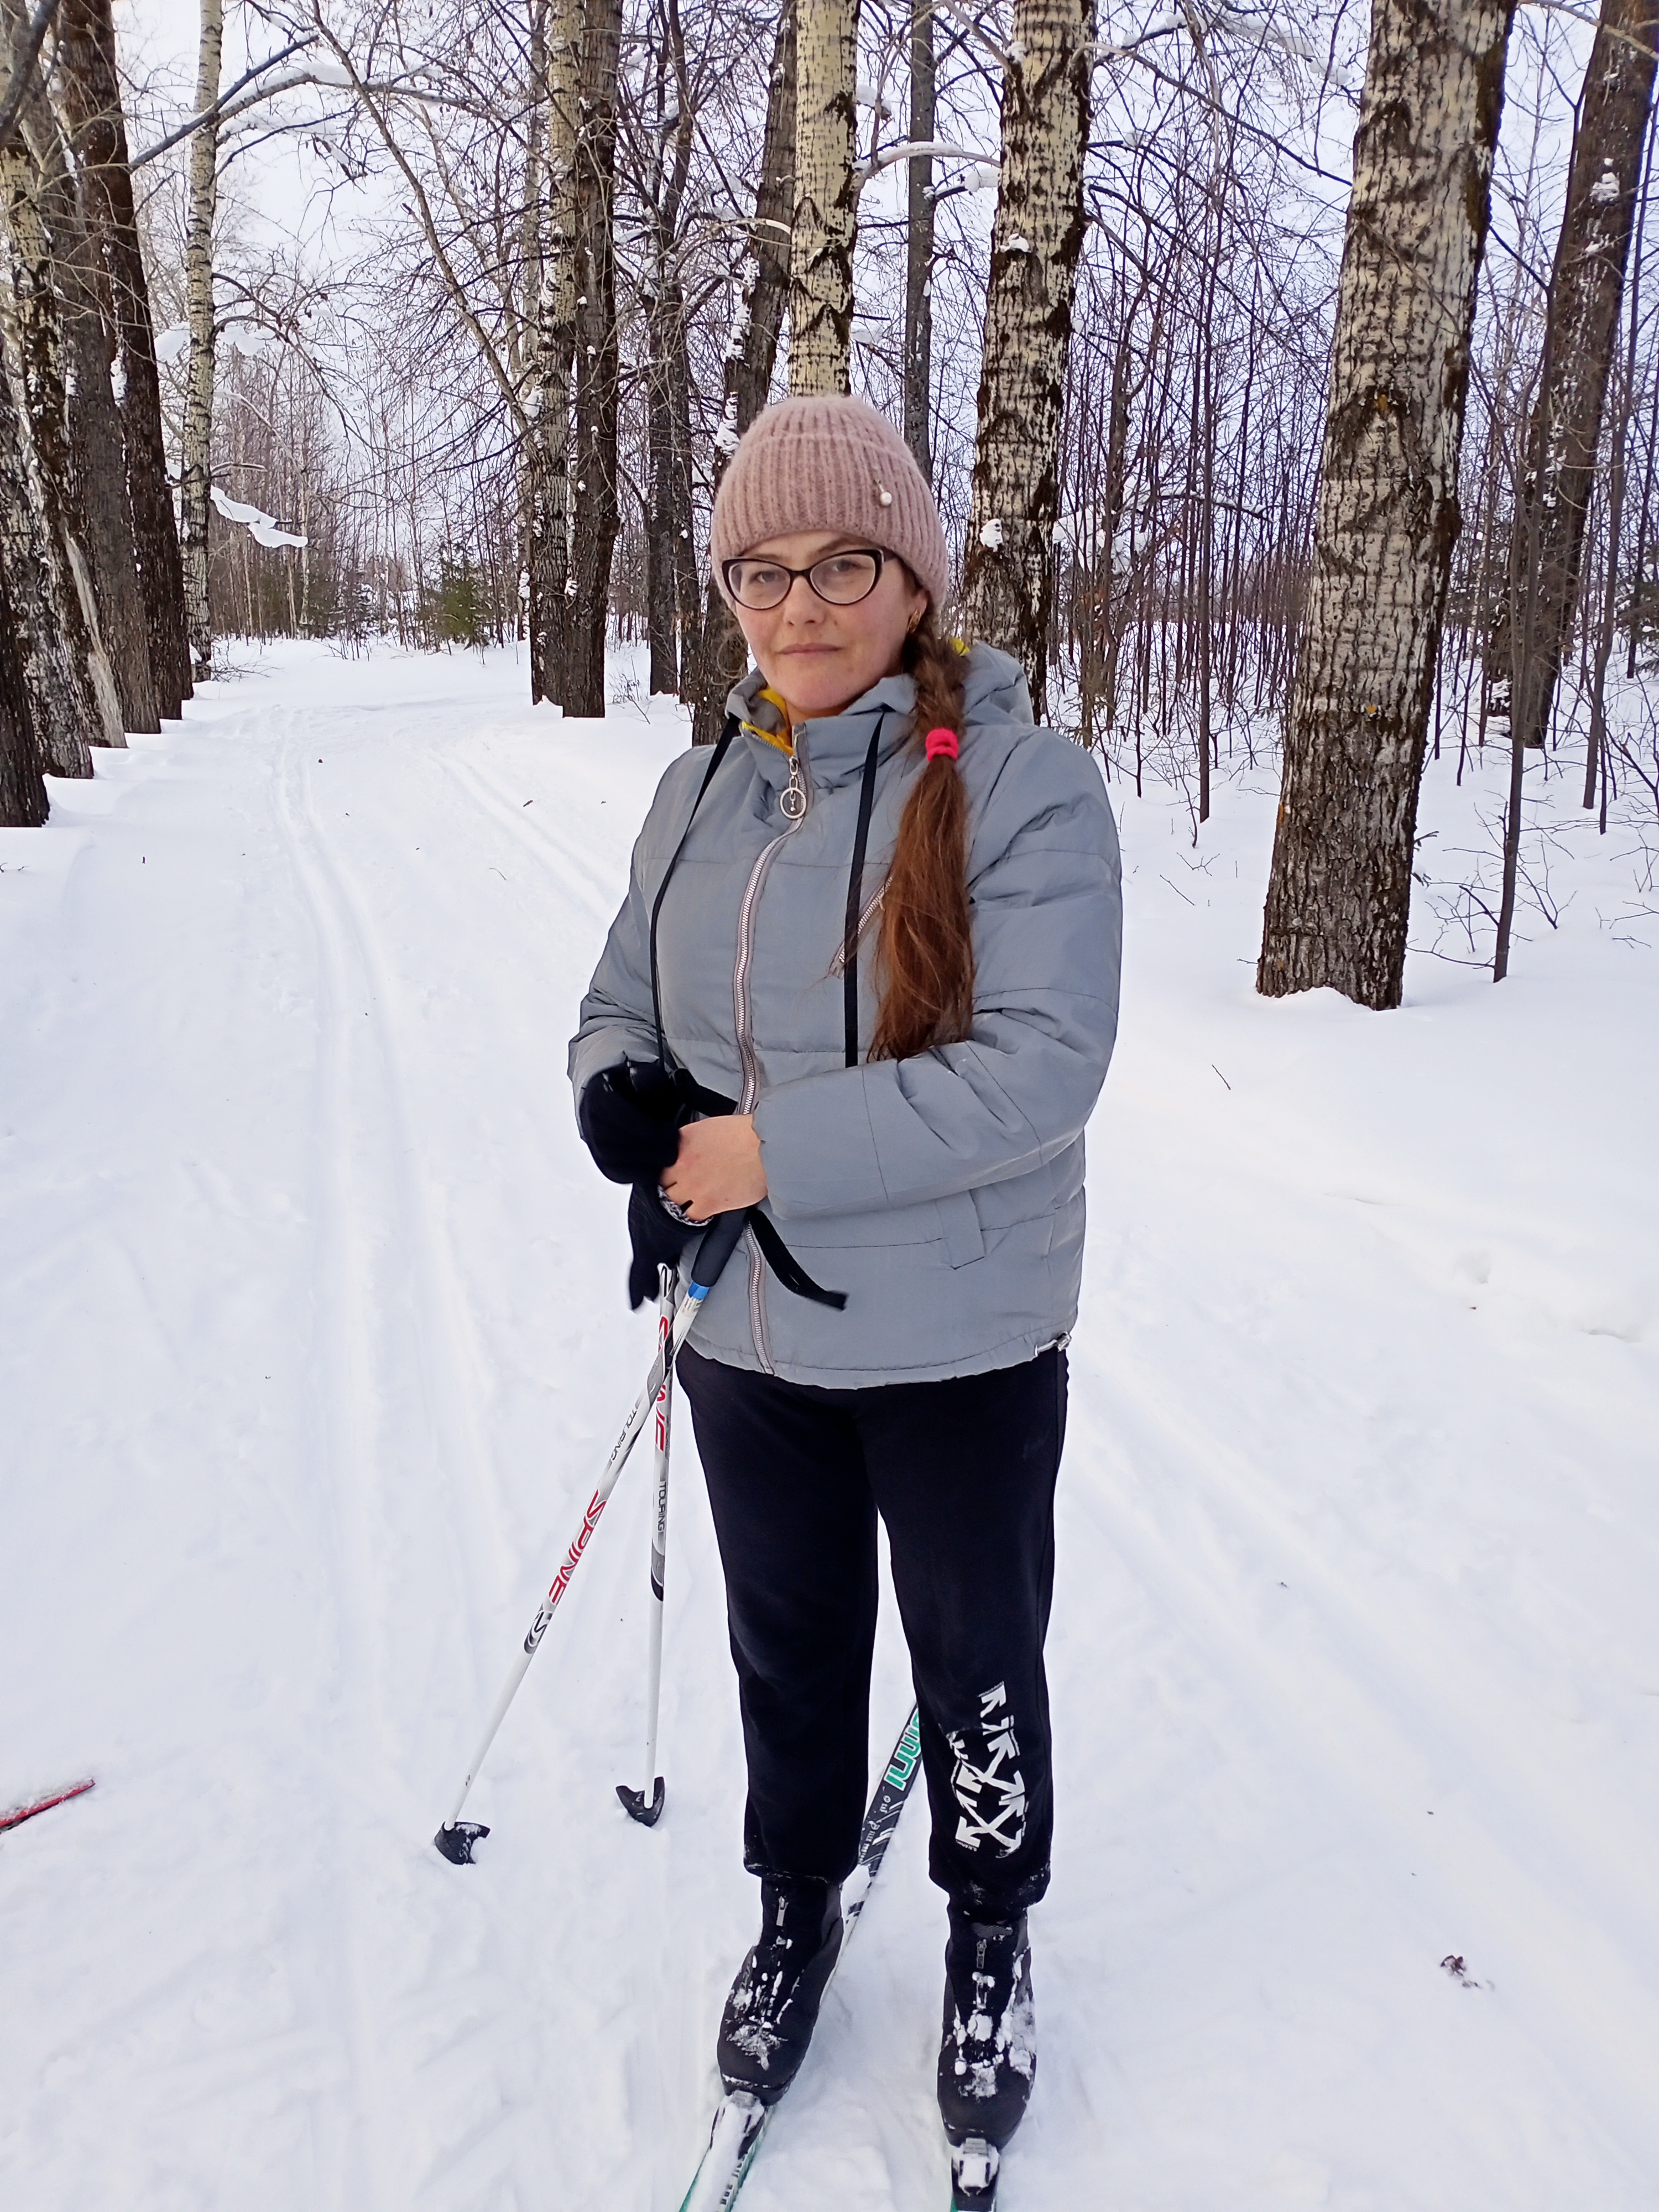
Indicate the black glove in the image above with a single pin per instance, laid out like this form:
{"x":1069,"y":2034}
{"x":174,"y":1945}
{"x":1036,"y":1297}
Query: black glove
{"x":657,"y":1241}
{"x":630,"y":1118}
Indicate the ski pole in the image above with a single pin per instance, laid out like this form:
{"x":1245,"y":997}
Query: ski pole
{"x":456,"y":1838}
{"x":645,"y":1805}
{"x":19,"y":1814}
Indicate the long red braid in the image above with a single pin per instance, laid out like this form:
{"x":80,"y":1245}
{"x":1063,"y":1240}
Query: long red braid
{"x":926,"y":931}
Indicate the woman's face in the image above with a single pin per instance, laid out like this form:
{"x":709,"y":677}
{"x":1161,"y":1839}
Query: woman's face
{"x":818,"y":656}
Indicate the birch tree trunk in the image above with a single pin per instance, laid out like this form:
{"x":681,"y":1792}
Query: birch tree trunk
{"x":73,"y":701}
{"x":195,"y":474}
{"x":671,"y":562}
{"x":751,"y":355}
{"x":39,"y":595}
{"x":595,"y":513}
{"x":1338,"y":896}
{"x":687,"y":583}
{"x":23,"y":804}
{"x":91,"y":94}
{"x":1596,"y":758}
{"x":103,"y":518}
{"x":825,"y":222}
{"x":551,"y":340}
{"x":532,"y":277}
{"x":1008,"y":578}
{"x":918,"y":247}
{"x":1586,"y":286}
{"x":672,"y":585}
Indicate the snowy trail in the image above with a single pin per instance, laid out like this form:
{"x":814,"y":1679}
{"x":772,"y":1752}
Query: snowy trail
{"x":312,"y":1331}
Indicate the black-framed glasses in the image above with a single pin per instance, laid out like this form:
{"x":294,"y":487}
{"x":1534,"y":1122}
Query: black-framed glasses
{"x":840,"y":579}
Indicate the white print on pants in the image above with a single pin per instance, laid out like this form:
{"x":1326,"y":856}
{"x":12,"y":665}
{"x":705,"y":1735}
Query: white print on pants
{"x":987,"y":1783}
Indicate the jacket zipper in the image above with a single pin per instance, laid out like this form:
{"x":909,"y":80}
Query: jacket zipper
{"x":794,"y":801}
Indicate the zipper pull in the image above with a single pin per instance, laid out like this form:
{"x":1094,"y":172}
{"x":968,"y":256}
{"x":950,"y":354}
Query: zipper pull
{"x":792,"y":798}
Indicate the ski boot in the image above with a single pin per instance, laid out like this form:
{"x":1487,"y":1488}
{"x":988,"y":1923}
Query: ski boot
{"x":773,"y":2005}
{"x":987,"y":2051}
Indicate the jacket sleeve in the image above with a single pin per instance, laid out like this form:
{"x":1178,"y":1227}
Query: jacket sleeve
{"x":617,"y":1022}
{"x":1045,"y":883}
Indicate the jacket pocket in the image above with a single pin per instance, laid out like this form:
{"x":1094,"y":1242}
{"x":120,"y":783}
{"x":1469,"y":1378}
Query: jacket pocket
{"x":871,"y":909}
{"x":958,"y":1223}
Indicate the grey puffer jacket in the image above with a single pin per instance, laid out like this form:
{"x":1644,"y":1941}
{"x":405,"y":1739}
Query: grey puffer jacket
{"x":943,"y":1194}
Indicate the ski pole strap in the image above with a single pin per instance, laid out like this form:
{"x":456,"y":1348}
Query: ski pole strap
{"x":720,"y":751}
{"x":712,"y":1256}
{"x":849,"y":966}
{"x":785,"y":1266}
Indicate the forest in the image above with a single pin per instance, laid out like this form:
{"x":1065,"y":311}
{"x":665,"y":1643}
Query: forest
{"x":1287,"y":378}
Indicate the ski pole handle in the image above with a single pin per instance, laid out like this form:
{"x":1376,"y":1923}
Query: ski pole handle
{"x":719,"y":1242}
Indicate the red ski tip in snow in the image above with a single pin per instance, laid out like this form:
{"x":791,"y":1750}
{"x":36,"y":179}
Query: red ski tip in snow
{"x":19,"y":1814}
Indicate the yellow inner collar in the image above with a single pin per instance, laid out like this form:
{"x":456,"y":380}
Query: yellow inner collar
{"x":782,"y":737}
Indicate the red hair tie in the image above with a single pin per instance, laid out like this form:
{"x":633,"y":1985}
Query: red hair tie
{"x":943,"y":744}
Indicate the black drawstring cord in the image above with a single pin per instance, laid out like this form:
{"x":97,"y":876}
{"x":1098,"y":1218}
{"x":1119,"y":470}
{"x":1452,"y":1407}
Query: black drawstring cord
{"x":855,"y":898}
{"x":720,"y":751}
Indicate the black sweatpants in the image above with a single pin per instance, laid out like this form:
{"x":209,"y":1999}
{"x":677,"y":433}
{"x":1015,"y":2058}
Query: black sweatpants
{"x":963,"y":1474}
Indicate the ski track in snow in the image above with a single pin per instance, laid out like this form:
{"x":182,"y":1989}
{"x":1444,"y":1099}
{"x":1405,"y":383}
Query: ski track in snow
{"x":313,"y":1338}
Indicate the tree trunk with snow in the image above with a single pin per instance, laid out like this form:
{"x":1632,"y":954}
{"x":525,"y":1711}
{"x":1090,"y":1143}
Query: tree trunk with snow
{"x":90,"y":88}
{"x":825,"y":224}
{"x":1008,"y":578}
{"x":195,"y":474}
{"x":550,"y":341}
{"x":918,"y":245}
{"x":1338,"y":896}
{"x":595,"y":512}
{"x":1586,"y":286}
{"x":751,"y":355}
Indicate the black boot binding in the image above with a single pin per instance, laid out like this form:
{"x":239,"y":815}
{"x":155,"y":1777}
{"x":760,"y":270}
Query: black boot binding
{"x":773,"y":2005}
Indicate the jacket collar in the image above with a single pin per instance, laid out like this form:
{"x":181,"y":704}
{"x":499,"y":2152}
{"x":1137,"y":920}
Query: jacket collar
{"x":834,"y":746}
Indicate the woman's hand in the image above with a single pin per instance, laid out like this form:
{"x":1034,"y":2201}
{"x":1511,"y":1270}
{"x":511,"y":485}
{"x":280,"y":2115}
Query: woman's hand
{"x":719,"y":1167}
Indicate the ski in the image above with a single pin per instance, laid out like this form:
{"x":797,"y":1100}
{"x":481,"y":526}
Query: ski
{"x":19,"y":1814}
{"x":973,"y":2166}
{"x":741,"y":2118}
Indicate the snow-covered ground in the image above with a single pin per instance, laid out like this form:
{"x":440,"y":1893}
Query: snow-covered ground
{"x":311,"y":1328}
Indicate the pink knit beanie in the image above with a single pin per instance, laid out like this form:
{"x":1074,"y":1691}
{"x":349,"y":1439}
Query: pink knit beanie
{"x":828,"y":464}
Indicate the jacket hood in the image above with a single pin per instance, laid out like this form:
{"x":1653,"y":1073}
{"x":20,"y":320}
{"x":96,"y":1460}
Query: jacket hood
{"x":996,"y":689}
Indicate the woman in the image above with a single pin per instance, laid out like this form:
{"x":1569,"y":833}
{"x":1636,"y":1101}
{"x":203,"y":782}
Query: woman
{"x":865,"y":984}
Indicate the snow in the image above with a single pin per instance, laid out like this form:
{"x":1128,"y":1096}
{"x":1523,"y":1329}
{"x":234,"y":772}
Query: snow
{"x":312,"y":1336}
{"x":264,"y":527}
